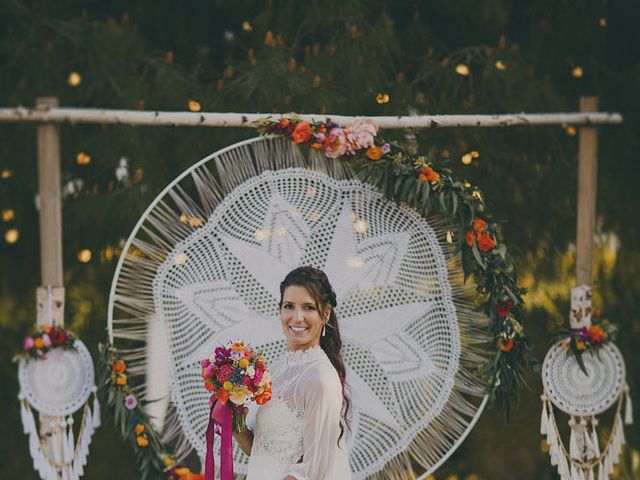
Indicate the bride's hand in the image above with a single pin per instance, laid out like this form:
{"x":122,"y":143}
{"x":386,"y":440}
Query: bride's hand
{"x":244,"y":438}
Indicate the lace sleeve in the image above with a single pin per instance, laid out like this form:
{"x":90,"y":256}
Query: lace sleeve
{"x":319,"y":395}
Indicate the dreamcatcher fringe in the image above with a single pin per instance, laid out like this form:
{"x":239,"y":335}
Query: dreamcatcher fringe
{"x":571,"y":465}
{"x":69,"y":458}
{"x":232,"y":168}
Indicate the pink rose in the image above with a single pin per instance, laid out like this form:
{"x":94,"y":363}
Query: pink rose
{"x":208,"y":371}
{"x":46,"y":340}
{"x":205,"y":363}
{"x":27,"y":343}
{"x":338,"y":143}
{"x":362,"y":133}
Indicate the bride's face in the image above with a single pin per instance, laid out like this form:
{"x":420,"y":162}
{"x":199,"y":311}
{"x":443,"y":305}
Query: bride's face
{"x":301,"y":321}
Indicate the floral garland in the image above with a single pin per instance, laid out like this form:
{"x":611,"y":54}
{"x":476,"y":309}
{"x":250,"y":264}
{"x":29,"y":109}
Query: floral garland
{"x":154,"y":459}
{"x":418,"y":182}
{"x":37,"y":346}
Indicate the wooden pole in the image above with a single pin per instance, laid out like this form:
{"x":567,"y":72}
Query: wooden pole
{"x":50,"y":296}
{"x":587,"y":173}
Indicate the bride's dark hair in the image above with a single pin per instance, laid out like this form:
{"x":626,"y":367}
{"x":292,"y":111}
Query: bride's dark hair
{"x":317,"y":284}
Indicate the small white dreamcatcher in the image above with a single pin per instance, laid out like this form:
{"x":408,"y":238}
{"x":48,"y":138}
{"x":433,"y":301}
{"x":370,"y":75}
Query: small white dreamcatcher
{"x":58,"y":384}
{"x":583,"y":396}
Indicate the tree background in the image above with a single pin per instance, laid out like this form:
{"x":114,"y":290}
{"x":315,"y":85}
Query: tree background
{"x":351,"y":57}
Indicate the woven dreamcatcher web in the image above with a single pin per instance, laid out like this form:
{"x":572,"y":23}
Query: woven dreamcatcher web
{"x":203,"y":266}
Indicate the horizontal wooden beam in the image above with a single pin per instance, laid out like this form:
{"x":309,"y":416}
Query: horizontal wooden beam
{"x":204,"y":119}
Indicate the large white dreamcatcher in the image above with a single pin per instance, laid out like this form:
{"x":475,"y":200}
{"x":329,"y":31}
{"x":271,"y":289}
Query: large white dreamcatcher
{"x":203,"y":266}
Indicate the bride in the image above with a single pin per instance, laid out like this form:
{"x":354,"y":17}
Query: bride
{"x":299,"y":434}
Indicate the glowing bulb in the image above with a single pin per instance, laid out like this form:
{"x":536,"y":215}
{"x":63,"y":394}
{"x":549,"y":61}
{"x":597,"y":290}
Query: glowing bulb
{"x":6,"y":173}
{"x":571,"y":131}
{"x":477,"y":195}
{"x":74,"y":79}
{"x":180,"y":259}
{"x":261,"y":235}
{"x":462,"y":69}
{"x":355,"y":262}
{"x":246,"y":26}
{"x":7,"y":215}
{"x":577,"y":72}
{"x":450,"y":235}
{"x":194,"y":106}
{"x":602,"y":22}
{"x":11,"y":236}
{"x":474,"y":154}
{"x":360,"y":226}
{"x":500,"y":65}
{"x":84,"y":255}
{"x":466,"y":184}
{"x":83,"y":159}
{"x":466,"y":159}
{"x":382,"y":98}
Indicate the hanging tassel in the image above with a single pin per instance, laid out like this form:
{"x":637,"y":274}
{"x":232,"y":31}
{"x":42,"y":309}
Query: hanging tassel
{"x":574,"y":472}
{"x":563,"y":468}
{"x":574,"y":451}
{"x":594,"y":437}
{"x":96,"y":411}
{"x":628,"y":408}
{"x":591,"y":474}
{"x":70,"y":441}
{"x":544,"y":419}
{"x":601,"y":472}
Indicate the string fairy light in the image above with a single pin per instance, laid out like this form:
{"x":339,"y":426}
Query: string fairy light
{"x":7,"y":214}
{"x":84,"y":255}
{"x":194,"y":106}
{"x":11,"y":236}
{"x":462,"y":69}
{"x":577,"y":71}
{"x":74,"y":79}
{"x":82,"y":158}
{"x":382,"y":98}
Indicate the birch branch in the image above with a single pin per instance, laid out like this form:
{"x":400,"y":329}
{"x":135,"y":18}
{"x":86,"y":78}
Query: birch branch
{"x":135,"y":117}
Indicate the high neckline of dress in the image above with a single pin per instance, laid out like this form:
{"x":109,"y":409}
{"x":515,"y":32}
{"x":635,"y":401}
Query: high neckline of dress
{"x":295,"y":357}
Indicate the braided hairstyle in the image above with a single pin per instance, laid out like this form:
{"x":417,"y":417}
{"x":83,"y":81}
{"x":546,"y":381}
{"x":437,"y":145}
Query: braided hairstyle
{"x":318,"y":286}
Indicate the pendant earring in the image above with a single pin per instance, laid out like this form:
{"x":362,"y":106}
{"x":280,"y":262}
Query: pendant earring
{"x":324,"y":329}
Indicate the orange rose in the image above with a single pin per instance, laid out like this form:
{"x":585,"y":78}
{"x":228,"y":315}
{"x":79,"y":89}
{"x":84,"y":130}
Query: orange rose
{"x":222,"y":395}
{"x":284,"y":122}
{"x":46,"y":328}
{"x":121,"y":380}
{"x":142,"y":441}
{"x":429,"y":174}
{"x":596,"y":334}
{"x":264,"y":397}
{"x":374,"y":153}
{"x":479,"y":225}
{"x":119,"y":367}
{"x":485,"y":242}
{"x":505,"y":345}
{"x":302,"y":133}
{"x":470,"y":238}
{"x":38,"y":342}
{"x":209,"y":386}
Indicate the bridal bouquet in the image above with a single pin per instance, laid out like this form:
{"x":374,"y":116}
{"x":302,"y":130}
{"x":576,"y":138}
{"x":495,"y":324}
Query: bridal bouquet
{"x":234,"y":375}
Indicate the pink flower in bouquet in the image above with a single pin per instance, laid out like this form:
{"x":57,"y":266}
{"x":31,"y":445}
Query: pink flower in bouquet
{"x":207,"y":372}
{"x":246,"y":380}
{"x":257,"y":377}
{"x":224,"y":373}
{"x":221,"y":355}
{"x":205,"y":363}
{"x":46,"y":340}
{"x":27,"y":343}
{"x":363,"y":133}
{"x":338,"y":143}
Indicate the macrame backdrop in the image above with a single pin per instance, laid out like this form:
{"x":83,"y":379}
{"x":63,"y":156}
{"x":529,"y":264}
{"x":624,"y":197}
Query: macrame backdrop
{"x":203,"y":266}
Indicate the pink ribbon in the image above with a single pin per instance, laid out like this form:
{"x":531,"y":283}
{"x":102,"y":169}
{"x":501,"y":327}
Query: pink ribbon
{"x":219,"y":423}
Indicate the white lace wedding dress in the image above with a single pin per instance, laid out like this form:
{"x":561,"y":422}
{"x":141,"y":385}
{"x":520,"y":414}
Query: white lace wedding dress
{"x":296,"y":432}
